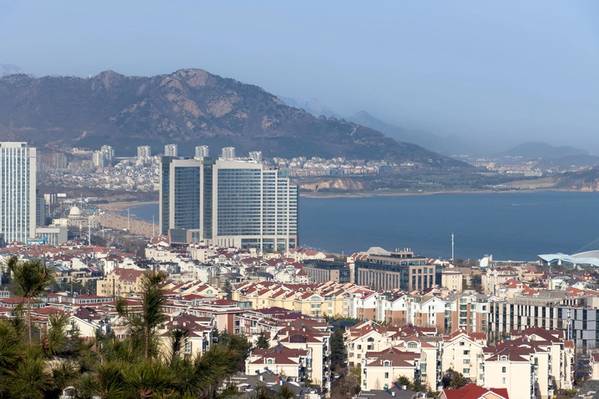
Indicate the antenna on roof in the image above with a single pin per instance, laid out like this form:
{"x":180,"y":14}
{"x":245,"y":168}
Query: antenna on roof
{"x":452,"y":248}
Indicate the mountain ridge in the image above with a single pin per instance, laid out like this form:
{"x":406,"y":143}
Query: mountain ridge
{"x":188,"y":106}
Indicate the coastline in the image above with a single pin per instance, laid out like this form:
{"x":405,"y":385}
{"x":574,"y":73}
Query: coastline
{"x":123,"y":205}
{"x":374,"y":194}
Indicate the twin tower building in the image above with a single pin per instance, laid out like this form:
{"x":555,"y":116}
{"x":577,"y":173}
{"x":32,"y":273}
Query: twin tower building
{"x":228,"y":201}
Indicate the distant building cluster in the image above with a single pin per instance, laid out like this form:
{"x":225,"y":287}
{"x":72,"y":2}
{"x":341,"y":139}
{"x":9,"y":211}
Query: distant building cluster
{"x":514,"y":330}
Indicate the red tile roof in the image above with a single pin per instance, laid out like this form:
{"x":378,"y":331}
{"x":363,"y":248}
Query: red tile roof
{"x":473,"y":391}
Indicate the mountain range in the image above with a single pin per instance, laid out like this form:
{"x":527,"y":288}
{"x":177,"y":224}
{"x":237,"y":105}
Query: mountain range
{"x":188,"y":107}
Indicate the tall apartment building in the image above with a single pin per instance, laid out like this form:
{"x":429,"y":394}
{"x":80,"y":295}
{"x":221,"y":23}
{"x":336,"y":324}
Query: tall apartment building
{"x":202,"y":151}
{"x":228,"y":153}
{"x":186,"y":197}
{"x":233,"y":202}
{"x":144,"y":152}
{"x":253,"y":206}
{"x":385,"y":270}
{"x":17,"y":191}
{"x":171,"y":150}
{"x":108,"y":153}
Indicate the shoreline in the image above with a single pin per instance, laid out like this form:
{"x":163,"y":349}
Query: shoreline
{"x":123,"y":205}
{"x":374,"y":194}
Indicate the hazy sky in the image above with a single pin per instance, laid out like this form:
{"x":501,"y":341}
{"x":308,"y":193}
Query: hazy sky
{"x":500,"y":71}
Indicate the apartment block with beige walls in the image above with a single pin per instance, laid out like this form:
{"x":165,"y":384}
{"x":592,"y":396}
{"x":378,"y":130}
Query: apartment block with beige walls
{"x":463,"y":353}
{"x":120,"y":282}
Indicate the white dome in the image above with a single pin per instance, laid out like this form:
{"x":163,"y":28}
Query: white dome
{"x":74,"y":212}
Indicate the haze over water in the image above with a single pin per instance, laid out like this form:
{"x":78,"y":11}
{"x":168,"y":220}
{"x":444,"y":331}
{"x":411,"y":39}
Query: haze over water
{"x":508,"y":225}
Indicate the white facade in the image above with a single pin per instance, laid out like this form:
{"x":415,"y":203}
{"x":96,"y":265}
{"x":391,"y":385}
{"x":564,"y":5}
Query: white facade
{"x":52,"y":235}
{"x":17,"y":191}
{"x":202,"y":151}
{"x":143,"y":152}
{"x":171,"y":150}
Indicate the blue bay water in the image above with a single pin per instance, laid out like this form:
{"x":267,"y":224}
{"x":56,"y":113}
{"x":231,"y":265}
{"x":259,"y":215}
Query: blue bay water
{"x":507,"y":225}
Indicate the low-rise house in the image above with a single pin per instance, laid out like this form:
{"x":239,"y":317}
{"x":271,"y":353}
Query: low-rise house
{"x":380,"y":370}
{"x":281,"y":360}
{"x":463,"y":353}
{"x":473,"y":391}
{"x":120,"y":282}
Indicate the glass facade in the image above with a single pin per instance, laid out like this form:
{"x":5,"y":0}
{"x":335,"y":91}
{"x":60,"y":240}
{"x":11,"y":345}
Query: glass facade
{"x":237,"y":202}
{"x":165,"y":167}
{"x":186,"y":202}
{"x":254,"y":206}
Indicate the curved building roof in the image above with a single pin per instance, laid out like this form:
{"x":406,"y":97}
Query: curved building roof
{"x":588,"y":258}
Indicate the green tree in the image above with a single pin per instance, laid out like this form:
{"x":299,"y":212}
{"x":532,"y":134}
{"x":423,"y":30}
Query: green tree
{"x":10,"y":354}
{"x":30,"y":279}
{"x":262,"y":342}
{"x":29,"y":380}
{"x":453,"y":379}
{"x":338,"y":352}
{"x":178,"y":337}
{"x":228,"y":289}
{"x":143,"y":325}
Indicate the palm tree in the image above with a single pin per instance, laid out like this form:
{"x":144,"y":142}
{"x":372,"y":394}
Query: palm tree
{"x":30,"y":279}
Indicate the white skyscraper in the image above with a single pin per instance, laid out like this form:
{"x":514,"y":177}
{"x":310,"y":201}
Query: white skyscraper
{"x":171,"y":150}
{"x":143,"y":152}
{"x":202,"y":151}
{"x":108,"y":153}
{"x":17,"y":191}
{"x":228,"y":153}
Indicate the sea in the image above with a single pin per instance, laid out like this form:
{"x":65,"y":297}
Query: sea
{"x":509,"y":226}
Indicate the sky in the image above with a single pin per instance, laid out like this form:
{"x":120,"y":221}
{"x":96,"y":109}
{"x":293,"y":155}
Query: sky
{"x":495,"y":72}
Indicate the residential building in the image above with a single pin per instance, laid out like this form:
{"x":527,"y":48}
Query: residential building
{"x":379,"y":269}
{"x":452,"y":279}
{"x":202,"y":151}
{"x":120,"y":282}
{"x":317,"y":300}
{"x":321,"y":271}
{"x":473,"y":391}
{"x":463,"y":353}
{"x":17,"y":192}
{"x":228,"y":153}
{"x":381,"y":369}
{"x":292,"y":363}
{"x":575,"y":316}
{"x":171,"y":150}
{"x":303,"y":335}
{"x":144,"y":152}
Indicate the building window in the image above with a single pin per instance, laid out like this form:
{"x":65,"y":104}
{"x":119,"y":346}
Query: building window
{"x":386,"y":375}
{"x":504,"y":369}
